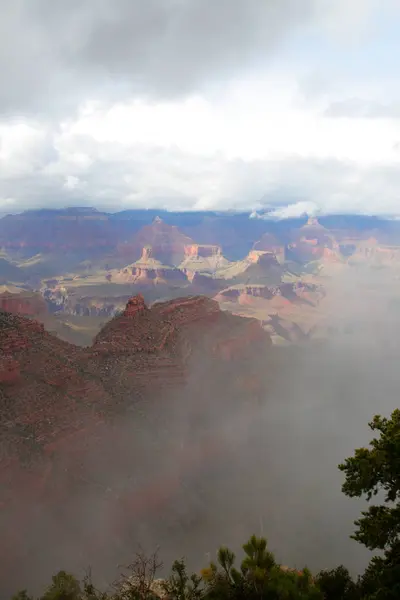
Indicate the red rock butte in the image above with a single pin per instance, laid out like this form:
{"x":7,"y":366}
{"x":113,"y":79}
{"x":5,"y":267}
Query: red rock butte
{"x":59,"y":404}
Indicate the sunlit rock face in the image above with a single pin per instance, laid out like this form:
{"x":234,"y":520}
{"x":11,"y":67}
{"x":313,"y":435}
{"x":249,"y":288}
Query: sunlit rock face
{"x":149,"y":270}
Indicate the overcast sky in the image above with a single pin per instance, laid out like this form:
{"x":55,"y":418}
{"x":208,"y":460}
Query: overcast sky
{"x":201,"y":104}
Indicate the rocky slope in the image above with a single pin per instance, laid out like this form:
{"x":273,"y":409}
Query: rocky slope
{"x":167,"y":242}
{"x":270,"y":243}
{"x":371,"y":252}
{"x":203,"y":259}
{"x":10,"y":272}
{"x":288,"y":311}
{"x":85,"y":427}
{"x":32,"y":232}
{"x":257,"y":267}
{"x":313,"y":242}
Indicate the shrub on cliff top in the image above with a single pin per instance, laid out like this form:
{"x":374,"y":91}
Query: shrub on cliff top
{"x":259,"y":577}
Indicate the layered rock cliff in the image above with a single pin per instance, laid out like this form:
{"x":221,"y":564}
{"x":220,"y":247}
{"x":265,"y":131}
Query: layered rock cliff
{"x":288,"y":311}
{"x":203,"y":259}
{"x":373,"y":252}
{"x":258,"y":267}
{"x":313,"y":242}
{"x":22,"y":302}
{"x":292,"y":292}
{"x":149,"y":270}
{"x":74,"y":229}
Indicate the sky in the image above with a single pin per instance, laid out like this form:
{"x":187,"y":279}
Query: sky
{"x":289,"y":106}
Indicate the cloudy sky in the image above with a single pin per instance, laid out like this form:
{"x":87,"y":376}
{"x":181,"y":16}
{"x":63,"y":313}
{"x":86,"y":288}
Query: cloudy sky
{"x":201,"y":104}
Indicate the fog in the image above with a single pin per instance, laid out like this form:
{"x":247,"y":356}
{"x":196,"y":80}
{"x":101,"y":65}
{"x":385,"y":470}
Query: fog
{"x":210,"y":465}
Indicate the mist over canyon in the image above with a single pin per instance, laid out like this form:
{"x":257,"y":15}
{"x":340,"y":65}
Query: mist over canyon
{"x":183,"y":426}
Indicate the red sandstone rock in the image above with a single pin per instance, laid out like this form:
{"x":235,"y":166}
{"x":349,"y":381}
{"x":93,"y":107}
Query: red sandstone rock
{"x":314,"y":242}
{"x":58,"y":403}
{"x":149,"y":271}
{"x":134,"y":306}
{"x":22,"y":302}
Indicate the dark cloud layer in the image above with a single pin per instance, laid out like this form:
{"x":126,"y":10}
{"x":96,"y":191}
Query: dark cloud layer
{"x":56,"y":54}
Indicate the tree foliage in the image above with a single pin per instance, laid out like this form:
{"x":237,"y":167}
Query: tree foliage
{"x":337,"y":584}
{"x":259,"y":577}
{"x":372,"y":471}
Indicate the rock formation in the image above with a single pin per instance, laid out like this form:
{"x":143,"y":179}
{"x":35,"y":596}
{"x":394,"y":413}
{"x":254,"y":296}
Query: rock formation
{"x":371,"y":251}
{"x":258,"y":267}
{"x":313,"y":242}
{"x":292,"y":292}
{"x":166,"y":241}
{"x":202,"y":258}
{"x":149,"y":271}
{"x":269,"y":243}
{"x":32,"y":232}
{"x":71,"y":422}
{"x":21,"y":301}
{"x":288,"y":311}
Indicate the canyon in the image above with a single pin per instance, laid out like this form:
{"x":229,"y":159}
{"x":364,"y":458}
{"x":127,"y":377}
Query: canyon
{"x":84,"y":283}
{"x":135,"y":373}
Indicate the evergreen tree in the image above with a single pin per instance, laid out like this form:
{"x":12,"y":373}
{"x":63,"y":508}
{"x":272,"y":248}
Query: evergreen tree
{"x":371,"y":471}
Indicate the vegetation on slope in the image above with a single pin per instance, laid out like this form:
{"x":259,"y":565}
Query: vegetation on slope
{"x":258,"y":577}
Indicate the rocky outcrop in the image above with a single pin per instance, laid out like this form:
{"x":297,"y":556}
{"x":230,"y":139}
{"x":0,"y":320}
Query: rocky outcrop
{"x":287,"y":311}
{"x":61,"y":299}
{"x":203,"y":258}
{"x":313,"y":242}
{"x":269,"y":243}
{"x":373,"y":252}
{"x":60,"y":406}
{"x":293,"y":292}
{"x":148,"y":271}
{"x":166,"y":241}
{"x":23,"y":302}
{"x":258,"y":267}
{"x":262,"y":257}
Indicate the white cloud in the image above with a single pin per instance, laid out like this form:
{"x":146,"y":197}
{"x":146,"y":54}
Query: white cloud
{"x":298,"y":209}
{"x":264,"y":130}
{"x":71,"y":182}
